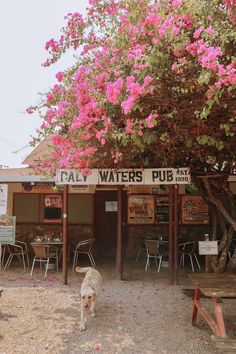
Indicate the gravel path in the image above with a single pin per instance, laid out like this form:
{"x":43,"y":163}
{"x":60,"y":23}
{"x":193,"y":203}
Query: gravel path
{"x":42,"y":316}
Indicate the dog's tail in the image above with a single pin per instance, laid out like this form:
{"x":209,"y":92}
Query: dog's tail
{"x":83,"y":270}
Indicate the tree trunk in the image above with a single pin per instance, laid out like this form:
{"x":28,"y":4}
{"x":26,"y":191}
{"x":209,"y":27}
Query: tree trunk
{"x":216,"y":192}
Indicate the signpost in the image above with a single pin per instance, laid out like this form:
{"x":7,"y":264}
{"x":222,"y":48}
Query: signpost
{"x":207,"y":248}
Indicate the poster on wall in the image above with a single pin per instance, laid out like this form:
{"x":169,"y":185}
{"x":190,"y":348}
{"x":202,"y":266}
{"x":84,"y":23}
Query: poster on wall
{"x":3,"y":199}
{"x":194,"y":210}
{"x":140,"y":209}
{"x":162,"y":208}
{"x":7,"y":229}
{"x":52,"y":208}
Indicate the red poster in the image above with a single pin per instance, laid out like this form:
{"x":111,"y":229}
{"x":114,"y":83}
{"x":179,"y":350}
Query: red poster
{"x":140,"y":209}
{"x":194,"y":210}
{"x":52,"y":208}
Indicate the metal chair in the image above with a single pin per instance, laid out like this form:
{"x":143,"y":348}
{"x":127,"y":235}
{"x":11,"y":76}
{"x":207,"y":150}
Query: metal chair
{"x":43,"y":254}
{"x":189,"y":249}
{"x":19,"y":250}
{"x":153,"y":252}
{"x":84,"y":247}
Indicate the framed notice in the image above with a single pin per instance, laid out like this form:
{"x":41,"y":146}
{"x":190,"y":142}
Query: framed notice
{"x":53,"y":208}
{"x":140,"y":209}
{"x":111,"y":206}
{"x":7,"y":229}
{"x":194,"y":210}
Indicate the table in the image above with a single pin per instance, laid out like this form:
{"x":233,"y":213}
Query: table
{"x":49,"y":243}
{"x":214,"y":286}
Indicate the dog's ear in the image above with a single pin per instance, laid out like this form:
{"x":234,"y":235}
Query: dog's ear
{"x":94,"y":295}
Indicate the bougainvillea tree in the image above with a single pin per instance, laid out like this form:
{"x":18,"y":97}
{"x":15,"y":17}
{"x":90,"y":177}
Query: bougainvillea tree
{"x":153,"y":85}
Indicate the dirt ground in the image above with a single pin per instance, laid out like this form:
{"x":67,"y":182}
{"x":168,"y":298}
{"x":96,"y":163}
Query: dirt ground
{"x":142,"y":314}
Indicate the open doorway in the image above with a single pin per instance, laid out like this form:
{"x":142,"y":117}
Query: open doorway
{"x":106,"y":223}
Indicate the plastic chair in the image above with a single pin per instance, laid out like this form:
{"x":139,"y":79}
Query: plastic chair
{"x":43,"y":254}
{"x":153,"y":251}
{"x":84,"y":247}
{"x":188,"y":248}
{"x":19,"y":250}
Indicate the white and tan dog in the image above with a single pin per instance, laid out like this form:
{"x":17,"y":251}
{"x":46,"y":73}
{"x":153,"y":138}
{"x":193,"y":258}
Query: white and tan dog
{"x":90,"y":287}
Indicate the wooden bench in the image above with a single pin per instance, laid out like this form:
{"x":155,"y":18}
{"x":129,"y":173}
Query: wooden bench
{"x":225,"y":345}
{"x":216,"y":287}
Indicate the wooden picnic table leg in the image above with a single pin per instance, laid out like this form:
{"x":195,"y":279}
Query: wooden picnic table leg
{"x":195,"y":308}
{"x":219,"y":317}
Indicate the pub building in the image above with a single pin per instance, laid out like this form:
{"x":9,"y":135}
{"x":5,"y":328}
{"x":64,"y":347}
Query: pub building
{"x":116,"y":207}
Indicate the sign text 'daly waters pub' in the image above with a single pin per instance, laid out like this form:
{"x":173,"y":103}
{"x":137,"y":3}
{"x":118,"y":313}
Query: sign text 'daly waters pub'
{"x":125,"y":177}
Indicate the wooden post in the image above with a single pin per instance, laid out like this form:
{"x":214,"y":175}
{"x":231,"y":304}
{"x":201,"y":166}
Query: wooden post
{"x":207,"y":257}
{"x":171,"y":264}
{"x":119,"y":253}
{"x":65,"y":235}
{"x":175,"y":235}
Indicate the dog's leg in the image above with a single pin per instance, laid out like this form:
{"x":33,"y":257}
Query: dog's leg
{"x":93,"y":307}
{"x":83,"y":318}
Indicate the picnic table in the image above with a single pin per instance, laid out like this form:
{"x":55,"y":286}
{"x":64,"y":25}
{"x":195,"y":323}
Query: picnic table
{"x":216,"y":287}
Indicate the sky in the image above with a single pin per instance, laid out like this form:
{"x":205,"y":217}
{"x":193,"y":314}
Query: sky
{"x":25,"y":27}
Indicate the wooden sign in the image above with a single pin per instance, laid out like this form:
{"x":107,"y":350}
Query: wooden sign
{"x":140,"y":209}
{"x":156,"y":176}
{"x":194,"y":210}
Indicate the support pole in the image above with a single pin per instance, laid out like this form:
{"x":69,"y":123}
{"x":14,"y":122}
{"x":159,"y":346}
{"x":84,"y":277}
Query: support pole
{"x":65,"y":235}
{"x":171,"y":216}
{"x":119,"y":253}
{"x":175,"y":234}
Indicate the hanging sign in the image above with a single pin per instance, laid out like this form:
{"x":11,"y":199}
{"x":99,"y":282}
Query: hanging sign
{"x":3,"y":199}
{"x":156,"y":176}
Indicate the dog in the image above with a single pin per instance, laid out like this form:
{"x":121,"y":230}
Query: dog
{"x":90,"y":287}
